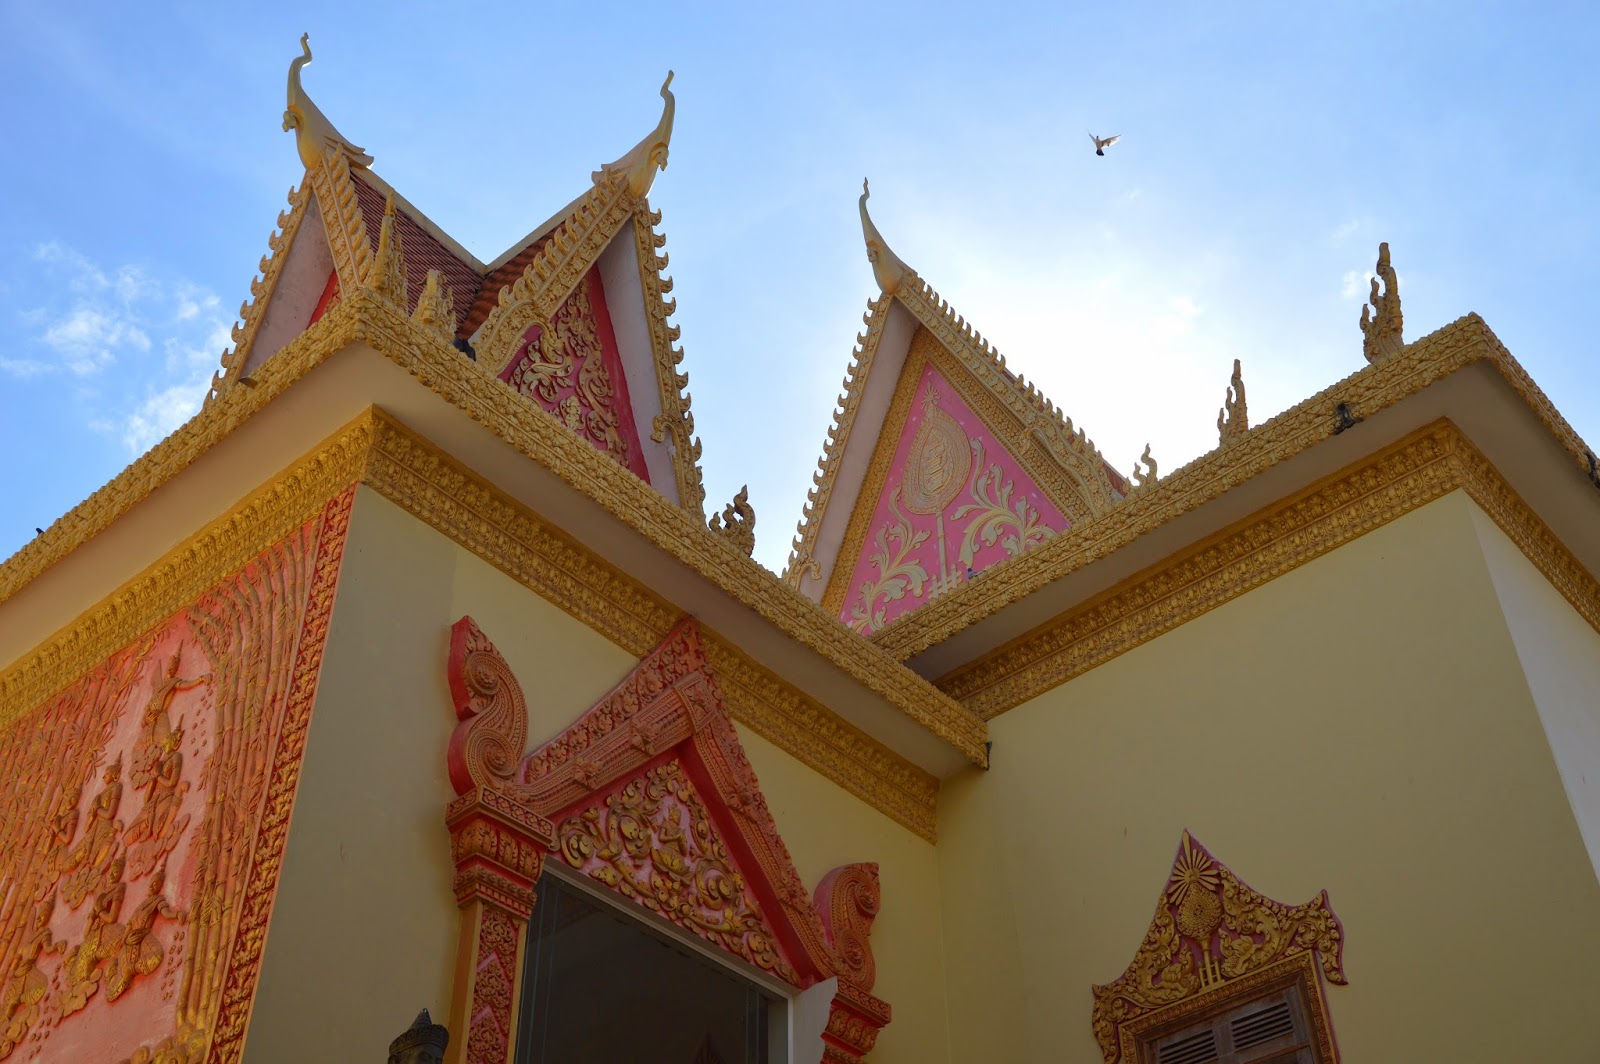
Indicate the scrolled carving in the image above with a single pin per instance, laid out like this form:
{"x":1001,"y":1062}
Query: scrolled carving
{"x":1233,"y":420}
{"x":1210,"y":928}
{"x":737,"y":522}
{"x":1382,"y":325}
{"x":486,"y":747}
{"x":847,"y":899}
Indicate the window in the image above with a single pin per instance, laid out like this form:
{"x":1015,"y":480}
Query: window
{"x":1263,"y":1024}
{"x":601,"y":986}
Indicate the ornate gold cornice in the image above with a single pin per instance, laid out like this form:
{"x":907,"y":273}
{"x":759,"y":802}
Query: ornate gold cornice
{"x":261,"y":519}
{"x":252,"y":310}
{"x":802,"y":554}
{"x":415,"y":475}
{"x":420,"y":478}
{"x":1410,"y":473}
{"x":1329,"y":412}
{"x":367,"y":318}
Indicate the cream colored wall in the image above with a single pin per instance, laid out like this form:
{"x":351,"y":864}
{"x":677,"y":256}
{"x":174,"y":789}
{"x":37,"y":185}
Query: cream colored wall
{"x":364,"y":928}
{"x":363,"y":934}
{"x":1360,"y":724}
{"x":825,"y":827}
{"x":1560,"y":655}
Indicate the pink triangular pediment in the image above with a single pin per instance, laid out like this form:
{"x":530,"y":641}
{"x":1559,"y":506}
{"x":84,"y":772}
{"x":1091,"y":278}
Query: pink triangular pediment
{"x":950,"y":501}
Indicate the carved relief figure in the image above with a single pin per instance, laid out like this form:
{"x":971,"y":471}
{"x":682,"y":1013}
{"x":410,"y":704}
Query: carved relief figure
{"x":141,"y":953}
{"x":25,"y":982}
{"x":157,"y":828}
{"x":86,"y":866}
{"x":102,"y":937}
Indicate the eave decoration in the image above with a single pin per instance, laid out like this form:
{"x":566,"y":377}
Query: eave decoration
{"x":1210,"y":930}
{"x":650,"y":795}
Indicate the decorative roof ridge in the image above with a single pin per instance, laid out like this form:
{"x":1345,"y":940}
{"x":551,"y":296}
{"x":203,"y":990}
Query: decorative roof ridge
{"x":674,"y":426}
{"x":1358,"y":395}
{"x":343,"y":218}
{"x":802,"y":559}
{"x":262,"y":285}
{"x":432,"y":227}
{"x":554,"y":270}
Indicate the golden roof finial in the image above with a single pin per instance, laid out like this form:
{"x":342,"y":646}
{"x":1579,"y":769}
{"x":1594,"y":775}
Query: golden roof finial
{"x":1233,"y":420}
{"x":887,"y":267}
{"x":313,"y":133}
{"x":1382,"y":326}
{"x":650,"y":154}
{"x":737,"y":522}
{"x":435,"y":308}
{"x":1143,"y":478}
{"x":387,"y":275}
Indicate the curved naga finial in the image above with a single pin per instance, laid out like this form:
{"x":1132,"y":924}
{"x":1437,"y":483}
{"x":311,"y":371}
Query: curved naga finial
{"x":887,"y":267}
{"x":650,"y":154}
{"x":313,"y":133}
{"x":1143,"y":478}
{"x":1382,"y":326}
{"x":1233,"y":419}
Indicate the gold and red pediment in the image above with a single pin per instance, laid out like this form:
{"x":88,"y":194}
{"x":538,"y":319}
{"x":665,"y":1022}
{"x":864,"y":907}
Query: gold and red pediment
{"x":1212,"y":934}
{"x":649,"y":794}
{"x":967,"y":465}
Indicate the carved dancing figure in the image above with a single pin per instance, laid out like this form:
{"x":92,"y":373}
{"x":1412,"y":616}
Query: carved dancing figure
{"x":56,"y":841}
{"x":141,"y":952}
{"x":88,"y":863}
{"x":26,"y":983}
{"x":155,"y":831}
{"x":102,"y":938}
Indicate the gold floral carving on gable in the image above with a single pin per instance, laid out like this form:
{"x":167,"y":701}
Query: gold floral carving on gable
{"x":1209,"y":930}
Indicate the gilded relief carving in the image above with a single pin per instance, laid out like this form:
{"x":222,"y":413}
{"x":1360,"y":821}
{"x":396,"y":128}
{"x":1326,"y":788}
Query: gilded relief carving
{"x":562,"y":368}
{"x":1209,"y":929}
{"x":652,"y":841}
{"x":126,"y":846}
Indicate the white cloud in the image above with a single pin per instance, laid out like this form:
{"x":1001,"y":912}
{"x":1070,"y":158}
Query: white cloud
{"x":1356,"y":284}
{"x":104,"y":324}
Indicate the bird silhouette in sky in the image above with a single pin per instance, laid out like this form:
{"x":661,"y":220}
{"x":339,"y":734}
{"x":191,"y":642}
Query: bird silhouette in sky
{"x":1102,"y":143}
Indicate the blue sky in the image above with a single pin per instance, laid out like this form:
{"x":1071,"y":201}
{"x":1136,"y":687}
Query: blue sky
{"x":1268,"y":148}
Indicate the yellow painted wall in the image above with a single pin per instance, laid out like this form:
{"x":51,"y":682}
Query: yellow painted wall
{"x":364,"y":930}
{"x":825,"y":827}
{"x":1361,"y":724}
{"x":1560,"y":655}
{"x":363,"y":934}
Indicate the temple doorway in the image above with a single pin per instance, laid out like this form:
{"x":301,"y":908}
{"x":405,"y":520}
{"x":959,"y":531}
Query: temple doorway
{"x":606,"y":986}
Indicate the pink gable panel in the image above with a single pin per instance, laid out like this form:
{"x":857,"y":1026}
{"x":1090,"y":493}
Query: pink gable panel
{"x":954,"y":503}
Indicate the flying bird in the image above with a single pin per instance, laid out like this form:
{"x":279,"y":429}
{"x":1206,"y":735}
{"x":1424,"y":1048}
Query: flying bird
{"x":1102,"y":143}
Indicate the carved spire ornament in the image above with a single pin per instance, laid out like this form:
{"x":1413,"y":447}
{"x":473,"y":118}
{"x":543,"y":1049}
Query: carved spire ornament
{"x":1212,"y":934}
{"x":888,"y":269}
{"x":1381,"y":321}
{"x":737,"y":522}
{"x":435,"y":308}
{"x":1143,"y":478}
{"x":650,"y":154}
{"x":314,"y":135}
{"x":1233,"y":420}
{"x":387,"y":275}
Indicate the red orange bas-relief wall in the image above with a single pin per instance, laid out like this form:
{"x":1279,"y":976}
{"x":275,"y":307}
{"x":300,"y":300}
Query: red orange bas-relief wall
{"x":145,"y":808}
{"x":574,"y":371}
{"x":954,"y":503}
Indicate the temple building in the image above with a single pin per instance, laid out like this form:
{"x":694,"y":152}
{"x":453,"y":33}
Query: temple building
{"x":415,"y":672}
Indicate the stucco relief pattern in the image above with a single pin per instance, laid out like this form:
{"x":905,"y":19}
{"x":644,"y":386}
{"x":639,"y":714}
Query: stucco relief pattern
{"x":145,"y":819}
{"x":1210,"y":928}
{"x":571,"y":368}
{"x":954,"y":503}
